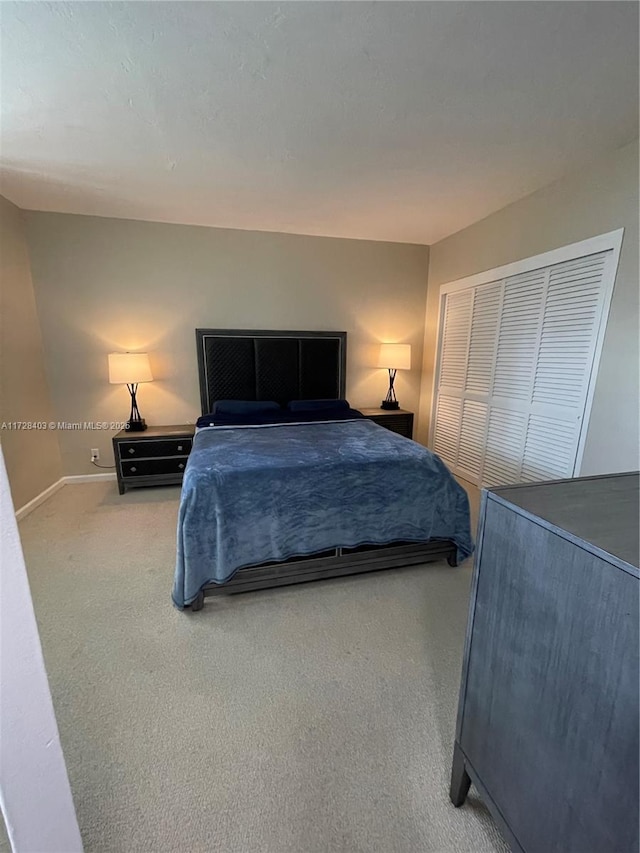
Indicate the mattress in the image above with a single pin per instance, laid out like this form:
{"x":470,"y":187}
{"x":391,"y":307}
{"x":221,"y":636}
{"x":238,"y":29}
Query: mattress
{"x":269,"y":492}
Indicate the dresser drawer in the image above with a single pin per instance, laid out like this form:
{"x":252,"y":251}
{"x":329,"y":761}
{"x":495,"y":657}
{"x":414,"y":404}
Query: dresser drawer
{"x":150,"y":467}
{"x":145,"y":448}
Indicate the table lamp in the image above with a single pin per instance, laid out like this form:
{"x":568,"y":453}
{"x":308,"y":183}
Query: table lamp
{"x":130,"y":368}
{"x":394,"y":357}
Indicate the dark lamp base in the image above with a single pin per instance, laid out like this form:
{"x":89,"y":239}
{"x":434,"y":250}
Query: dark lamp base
{"x":390,"y":404}
{"x":136,"y":426}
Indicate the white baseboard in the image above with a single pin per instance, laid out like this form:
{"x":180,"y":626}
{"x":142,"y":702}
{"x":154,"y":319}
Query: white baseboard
{"x":40,"y":499}
{"x":52,"y":489}
{"x":88,"y":478}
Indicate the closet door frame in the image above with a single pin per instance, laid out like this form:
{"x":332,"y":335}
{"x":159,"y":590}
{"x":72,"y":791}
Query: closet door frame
{"x":611,"y":241}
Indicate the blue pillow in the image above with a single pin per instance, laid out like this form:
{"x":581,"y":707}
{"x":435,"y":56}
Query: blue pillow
{"x":316,"y":405}
{"x":244,"y":407}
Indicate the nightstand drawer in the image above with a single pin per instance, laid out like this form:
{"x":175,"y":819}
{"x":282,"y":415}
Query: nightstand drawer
{"x":155,"y":457}
{"x":399,"y":421}
{"x":144,"y":448}
{"x":149,"y":467}
{"x":402,"y":424}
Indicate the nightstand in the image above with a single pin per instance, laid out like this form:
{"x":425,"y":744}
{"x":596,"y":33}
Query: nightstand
{"x":155,"y":457}
{"x":397,"y":420}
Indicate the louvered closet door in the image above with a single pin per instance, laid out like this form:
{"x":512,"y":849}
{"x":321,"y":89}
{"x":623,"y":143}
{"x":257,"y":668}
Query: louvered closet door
{"x":476,"y":388}
{"x":453,"y":371}
{"x":514,"y":366}
{"x":573,"y":310}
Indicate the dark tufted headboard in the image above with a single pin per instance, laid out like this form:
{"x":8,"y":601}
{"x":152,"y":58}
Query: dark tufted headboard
{"x":265,"y":365}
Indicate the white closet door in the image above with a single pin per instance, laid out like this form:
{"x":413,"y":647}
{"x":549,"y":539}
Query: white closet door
{"x":485,"y":320}
{"x":455,"y":340}
{"x":516,"y":359}
{"x":453,"y":369}
{"x":472,"y":434}
{"x":504,"y":447}
{"x":517,"y":341}
{"x":564,"y":360}
{"x":447,"y":430}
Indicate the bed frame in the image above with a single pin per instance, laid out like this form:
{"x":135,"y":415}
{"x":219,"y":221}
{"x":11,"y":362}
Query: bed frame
{"x":274,"y":365}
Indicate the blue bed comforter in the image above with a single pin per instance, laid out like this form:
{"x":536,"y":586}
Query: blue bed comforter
{"x":270,"y":492}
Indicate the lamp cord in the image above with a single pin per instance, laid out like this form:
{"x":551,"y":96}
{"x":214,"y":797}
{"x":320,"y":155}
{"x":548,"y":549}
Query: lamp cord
{"x":102,"y":466}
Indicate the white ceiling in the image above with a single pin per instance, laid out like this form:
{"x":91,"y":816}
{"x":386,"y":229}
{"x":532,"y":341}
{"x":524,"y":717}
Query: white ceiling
{"x":387,"y":120}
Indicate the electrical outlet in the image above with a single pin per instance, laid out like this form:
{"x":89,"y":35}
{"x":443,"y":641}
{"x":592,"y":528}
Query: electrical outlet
{"x":95,"y":454}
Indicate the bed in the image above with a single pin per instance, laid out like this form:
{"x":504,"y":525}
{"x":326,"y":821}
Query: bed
{"x":306,"y":495}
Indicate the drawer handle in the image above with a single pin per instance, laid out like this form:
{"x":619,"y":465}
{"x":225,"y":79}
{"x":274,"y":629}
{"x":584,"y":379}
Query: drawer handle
{"x":133,"y":469}
{"x":181,"y":465}
{"x":179,"y":447}
{"x":131,"y":450}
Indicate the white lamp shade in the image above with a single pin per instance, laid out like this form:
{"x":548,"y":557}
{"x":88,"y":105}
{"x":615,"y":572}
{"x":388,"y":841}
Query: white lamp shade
{"x":395,"y":356}
{"x":129,"y":367}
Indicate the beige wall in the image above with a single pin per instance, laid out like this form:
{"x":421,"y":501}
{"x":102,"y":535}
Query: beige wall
{"x":32,"y":457}
{"x":602,"y":198}
{"x":105,"y":285}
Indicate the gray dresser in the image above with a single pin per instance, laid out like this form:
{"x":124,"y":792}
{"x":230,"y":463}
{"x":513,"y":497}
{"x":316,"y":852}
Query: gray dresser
{"x":548,"y":715}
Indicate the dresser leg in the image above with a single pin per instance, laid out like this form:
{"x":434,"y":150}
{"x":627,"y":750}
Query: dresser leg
{"x":460,"y":781}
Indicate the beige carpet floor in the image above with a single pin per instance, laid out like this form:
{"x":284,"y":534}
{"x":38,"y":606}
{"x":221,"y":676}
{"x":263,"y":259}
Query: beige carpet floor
{"x":309,"y":719}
